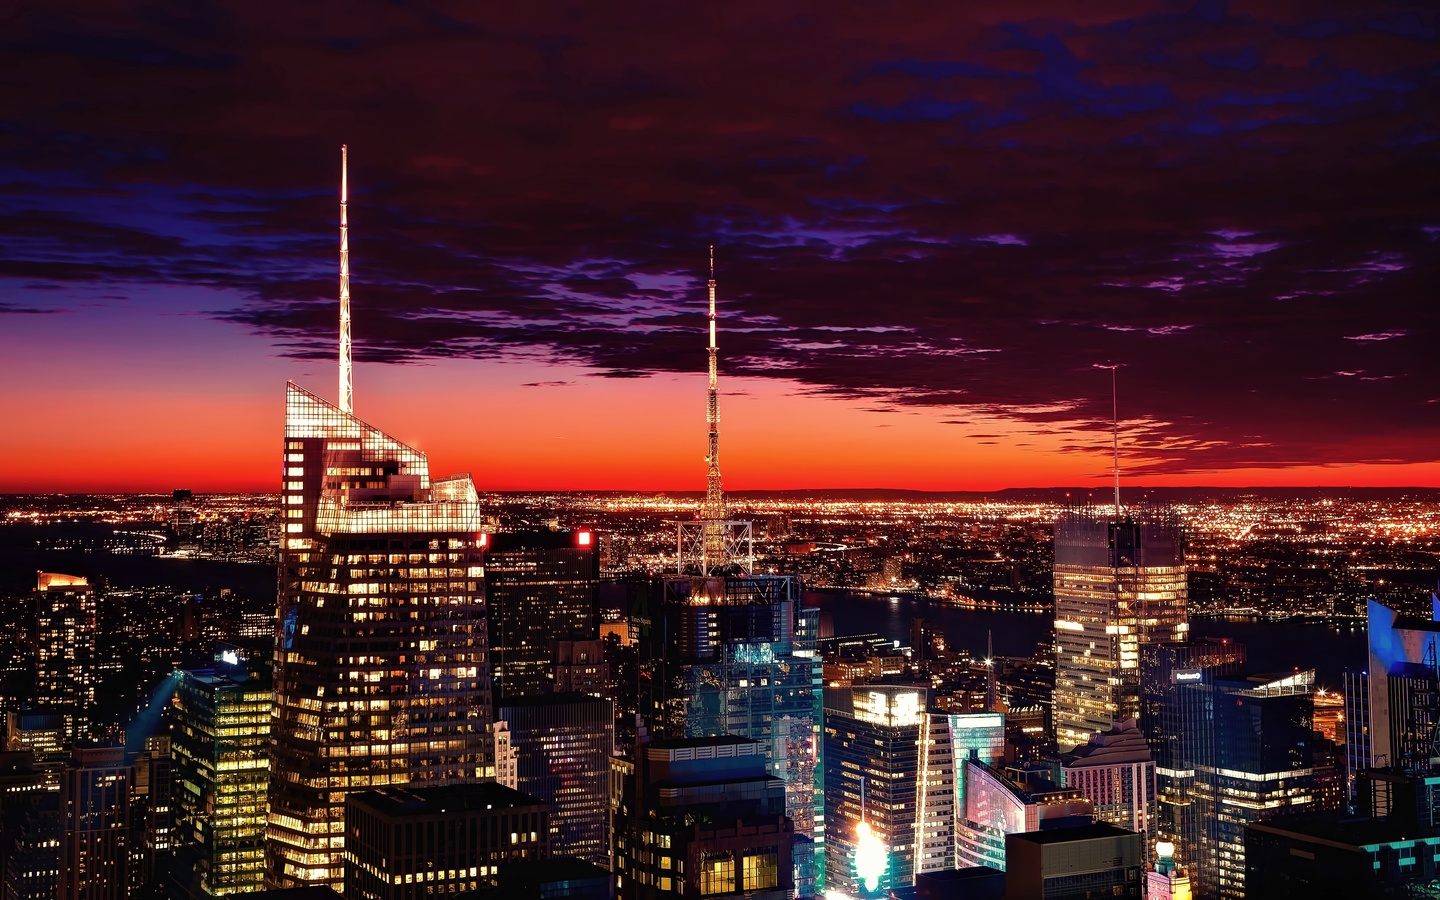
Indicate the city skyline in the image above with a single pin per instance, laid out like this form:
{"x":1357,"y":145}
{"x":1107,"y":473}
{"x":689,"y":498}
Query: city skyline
{"x":933,"y":230}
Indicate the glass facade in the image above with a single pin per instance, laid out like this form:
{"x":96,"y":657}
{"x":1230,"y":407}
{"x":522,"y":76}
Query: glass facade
{"x":540,"y":587}
{"x":381,"y":671}
{"x":563,"y":744}
{"x":1118,"y":587}
{"x":220,"y":745}
{"x":736,"y":655}
{"x":873,"y":739}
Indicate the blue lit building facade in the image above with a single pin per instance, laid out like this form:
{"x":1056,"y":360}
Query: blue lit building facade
{"x":735,"y":655}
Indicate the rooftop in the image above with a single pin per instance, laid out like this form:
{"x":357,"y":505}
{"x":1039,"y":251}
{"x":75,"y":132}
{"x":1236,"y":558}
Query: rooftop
{"x":429,"y":801}
{"x":1076,"y":833}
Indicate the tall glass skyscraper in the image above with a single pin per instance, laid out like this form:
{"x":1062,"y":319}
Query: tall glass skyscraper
{"x":220,"y":744}
{"x":381,"y":675}
{"x":1118,"y":587}
{"x":735,"y":655}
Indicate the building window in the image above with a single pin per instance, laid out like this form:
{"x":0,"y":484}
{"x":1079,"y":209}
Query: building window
{"x":761,"y":870}
{"x":717,"y":874}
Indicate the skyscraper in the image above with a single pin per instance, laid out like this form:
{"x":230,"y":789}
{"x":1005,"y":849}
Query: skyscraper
{"x":540,"y":587}
{"x":1393,"y":707}
{"x":734,"y":655}
{"x":1169,"y":711}
{"x":875,"y":736}
{"x":1119,"y":585}
{"x":563,"y":744}
{"x":725,"y":651}
{"x":95,"y":843}
{"x":381,"y":671}
{"x":65,"y":615}
{"x":220,"y":737}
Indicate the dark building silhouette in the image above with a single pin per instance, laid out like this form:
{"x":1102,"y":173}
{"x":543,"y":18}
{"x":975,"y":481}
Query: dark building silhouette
{"x":541,"y":587}
{"x":95,"y":843}
{"x":563,"y":744}
{"x":702,"y":816}
{"x":413,"y":843}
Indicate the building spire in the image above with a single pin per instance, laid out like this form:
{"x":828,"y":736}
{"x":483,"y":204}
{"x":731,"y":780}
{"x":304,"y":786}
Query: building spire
{"x":347,"y":391}
{"x":1115,"y":436}
{"x":714,"y":509}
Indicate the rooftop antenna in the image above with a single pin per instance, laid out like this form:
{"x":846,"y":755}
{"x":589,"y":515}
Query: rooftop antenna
{"x":714,"y":510}
{"x":990,"y":692}
{"x":1115,"y":433}
{"x":347,"y":390}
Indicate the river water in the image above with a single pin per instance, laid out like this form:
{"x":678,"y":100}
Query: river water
{"x":1271,"y":646}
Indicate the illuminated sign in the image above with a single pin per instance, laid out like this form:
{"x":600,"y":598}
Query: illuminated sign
{"x":230,"y":657}
{"x":484,"y":540}
{"x":583,"y":538}
{"x":871,"y":859}
{"x":1188,"y":675}
{"x":885,"y":708}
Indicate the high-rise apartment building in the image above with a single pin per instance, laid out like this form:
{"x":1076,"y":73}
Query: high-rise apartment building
{"x":381,"y":675}
{"x":220,"y":744}
{"x":65,"y":616}
{"x":1116,"y":772}
{"x":30,"y":828}
{"x":95,"y":840}
{"x":415,"y":843}
{"x":540,"y":587}
{"x":735,"y":655}
{"x":1119,"y":586}
{"x":563,"y":744}
{"x":701,"y":817}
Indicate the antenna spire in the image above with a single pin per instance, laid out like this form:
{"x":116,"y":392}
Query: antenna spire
{"x":1115,"y":436}
{"x":347,"y":390}
{"x":715,"y":506}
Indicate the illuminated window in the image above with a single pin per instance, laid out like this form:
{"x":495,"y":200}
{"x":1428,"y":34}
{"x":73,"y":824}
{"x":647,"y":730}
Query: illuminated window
{"x":717,"y":874}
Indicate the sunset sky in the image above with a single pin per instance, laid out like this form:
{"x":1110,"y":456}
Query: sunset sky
{"x":934,"y":223}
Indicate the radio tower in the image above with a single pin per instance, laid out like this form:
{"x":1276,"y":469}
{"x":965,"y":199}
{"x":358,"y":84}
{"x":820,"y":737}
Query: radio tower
{"x":347,"y":391}
{"x":714,"y":512}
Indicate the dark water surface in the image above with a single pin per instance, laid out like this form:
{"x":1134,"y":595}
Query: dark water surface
{"x":1272,"y":646}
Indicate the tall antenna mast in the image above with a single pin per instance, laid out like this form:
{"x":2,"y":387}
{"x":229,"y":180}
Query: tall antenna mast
{"x":347,"y":390}
{"x":714,"y":509}
{"x":1115,"y":435}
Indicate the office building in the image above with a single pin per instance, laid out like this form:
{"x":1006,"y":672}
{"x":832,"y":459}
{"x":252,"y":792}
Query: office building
{"x":152,"y":819}
{"x":1119,"y":586}
{"x":563,"y":744}
{"x":557,"y":878}
{"x":29,"y":828}
{"x":1334,"y":856}
{"x":1079,"y":863}
{"x":735,"y":655}
{"x":1116,"y":772}
{"x":580,"y":667}
{"x":412,"y":843}
{"x":540,"y":587}
{"x":381,"y":669}
{"x":892,"y":769}
{"x":42,"y":735}
{"x":1254,"y":760}
{"x":96,"y":826}
{"x":1012,"y":801}
{"x":1168,"y":711}
{"x":1392,"y":709}
{"x":220,"y":733}
{"x":65,"y":677}
{"x":703,"y":816}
